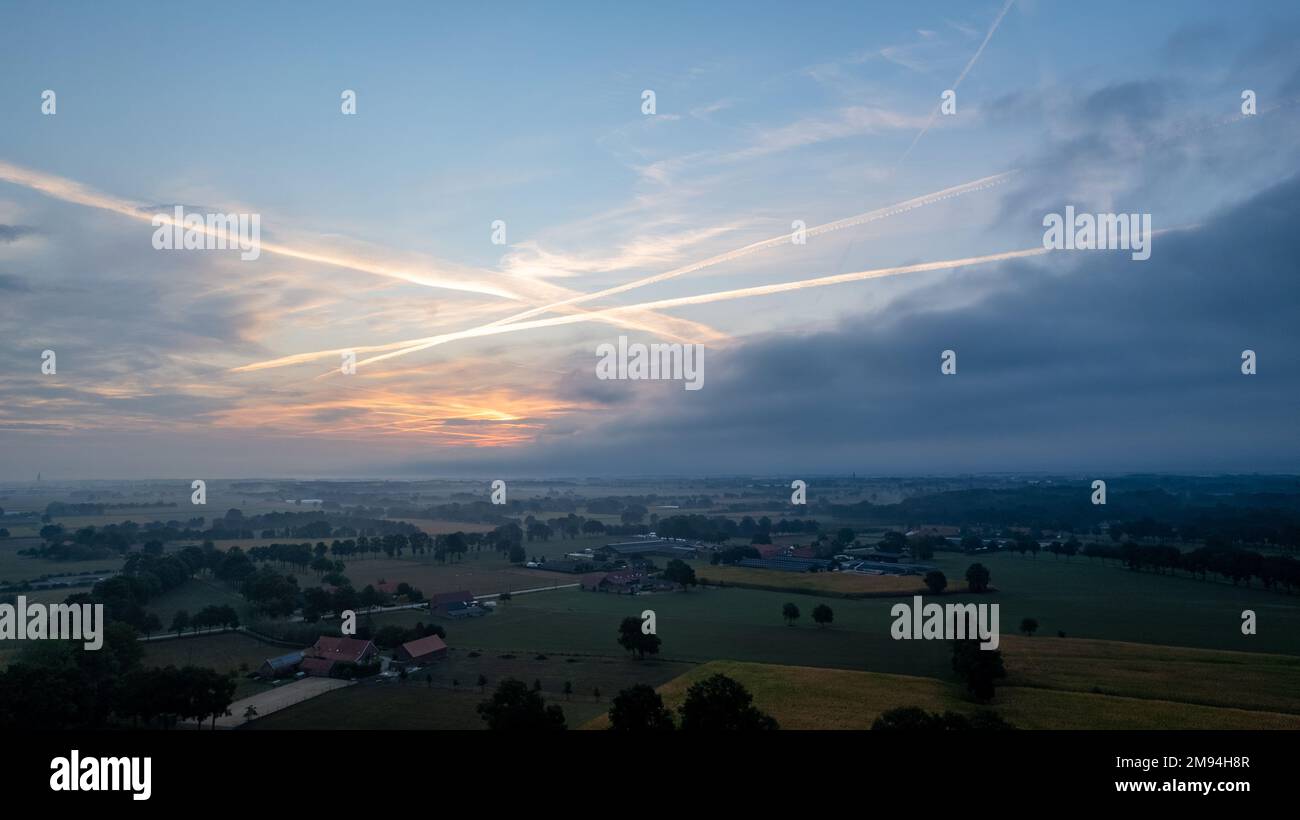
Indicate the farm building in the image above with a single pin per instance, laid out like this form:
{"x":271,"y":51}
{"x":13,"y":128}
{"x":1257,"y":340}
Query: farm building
{"x":440,"y":602}
{"x":651,"y":546}
{"x":463,"y":609}
{"x":425,"y":649}
{"x":785,"y":564}
{"x":317,"y":667}
{"x":283,"y":665}
{"x":329,"y":651}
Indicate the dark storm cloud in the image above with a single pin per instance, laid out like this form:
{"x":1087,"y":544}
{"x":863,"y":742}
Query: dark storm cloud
{"x":1084,"y":360}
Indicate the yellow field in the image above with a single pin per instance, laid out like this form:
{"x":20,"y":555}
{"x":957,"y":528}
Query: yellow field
{"x":813,"y":582}
{"x":811,"y":698}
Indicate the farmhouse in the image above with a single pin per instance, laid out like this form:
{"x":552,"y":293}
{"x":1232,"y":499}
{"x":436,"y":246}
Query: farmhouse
{"x":424,"y":650}
{"x":463,"y":609}
{"x":442,"y":601}
{"x":328,"y":652}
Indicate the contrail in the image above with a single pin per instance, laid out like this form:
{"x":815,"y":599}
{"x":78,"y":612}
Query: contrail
{"x":741,"y":293}
{"x":969,"y":65}
{"x":698,"y":299}
{"x":68,"y":190}
{"x":415,"y":345}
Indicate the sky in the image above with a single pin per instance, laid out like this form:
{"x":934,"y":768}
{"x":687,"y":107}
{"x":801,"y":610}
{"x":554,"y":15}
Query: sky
{"x":479,"y":358}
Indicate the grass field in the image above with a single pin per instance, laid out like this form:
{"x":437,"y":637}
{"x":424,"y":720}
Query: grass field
{"x":743,"y":624}
{"x":809,"y":698}
{"x":15,"y":568}
{"x":1251,"y":680}
{"x":838,"y":583}
{"x":1088,"y":600}
{"x":421,"y":704}
{"x":195,"y":594}
{"x":227,"y":652}
{"x":481,"y":573}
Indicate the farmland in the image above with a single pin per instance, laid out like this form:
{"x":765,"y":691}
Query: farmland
{"x":810,"y":698}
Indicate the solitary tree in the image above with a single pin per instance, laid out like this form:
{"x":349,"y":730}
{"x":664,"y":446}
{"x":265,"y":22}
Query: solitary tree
{"x":979,"y":668}
{"x":1029,"y":626}
{"x":936,"y":581}
{"x":631,"y":638}
{"x":823,"y":615}
{"x":977,"y":577}
{"x":791,"y":614}
{"x":482,"y":682}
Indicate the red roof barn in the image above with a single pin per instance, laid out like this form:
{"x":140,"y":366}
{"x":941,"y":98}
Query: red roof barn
{"x":425,"y":649}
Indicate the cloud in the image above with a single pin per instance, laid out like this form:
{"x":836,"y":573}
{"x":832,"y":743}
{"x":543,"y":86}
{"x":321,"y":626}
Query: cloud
{"x":1085,"y":361}
{"x":12,"y":233}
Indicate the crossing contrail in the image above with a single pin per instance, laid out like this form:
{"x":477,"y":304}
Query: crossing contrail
{"x":680,"y":301}
{"x":414,"y":345}
{"x":68,"y":190}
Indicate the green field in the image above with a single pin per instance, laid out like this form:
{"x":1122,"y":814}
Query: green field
{"x":15,"y":568}
{"x":1087,"y":600}
{"x":230,"y":652}
{"x":420,"y":704}
{"x":834,"y":583}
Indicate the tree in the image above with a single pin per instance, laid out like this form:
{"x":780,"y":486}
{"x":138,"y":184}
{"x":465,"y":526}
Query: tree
{"x":936,"y":581}
{"x":631,"y":638}
{"x":180,"y":622}
{"x":791,"y":613}
{"x":823,"y":615}
{"x":977,"y":577}
{"x":482,"y":682}
{"x":151,"y":624}
{"x":639,"y":709}
{"x":1029,"y":626}
{"x":679,"y":572}
{"x":719,"y":703}
{"x":916,"y":718}
{"x":979,"y":668}
{"x":517,"y":554}
{"x":514,"y":707}
{"x":568,"y":689}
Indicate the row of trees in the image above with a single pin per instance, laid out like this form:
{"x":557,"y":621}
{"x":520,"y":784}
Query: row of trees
{"x":56,"y":685}
{"x":822,"y":614}
{"x":210,"y":617}
{"x":717,"y":703}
